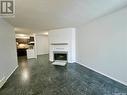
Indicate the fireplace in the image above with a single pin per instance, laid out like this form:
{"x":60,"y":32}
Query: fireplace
{"x":62,"y":45}
{"x":60,"y":56}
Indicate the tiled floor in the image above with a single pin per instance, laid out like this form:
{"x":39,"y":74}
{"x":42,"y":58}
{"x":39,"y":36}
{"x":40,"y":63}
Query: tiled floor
{"x":40,"y":77}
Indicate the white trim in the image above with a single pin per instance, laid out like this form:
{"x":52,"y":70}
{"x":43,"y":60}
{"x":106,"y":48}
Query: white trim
{"x":6,"y":78}
{"x":2,"y":81}
{"x":43,"y":54}
{"x":12,"y":72}
{"x":124,"y":83}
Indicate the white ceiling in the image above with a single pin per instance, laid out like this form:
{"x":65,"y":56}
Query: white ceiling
{"x":40,"y":15}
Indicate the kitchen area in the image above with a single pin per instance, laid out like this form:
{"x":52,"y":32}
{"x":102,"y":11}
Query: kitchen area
{"x":25,"y":46}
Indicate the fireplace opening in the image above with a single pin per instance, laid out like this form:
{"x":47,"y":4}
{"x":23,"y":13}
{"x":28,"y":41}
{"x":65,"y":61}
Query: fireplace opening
{"x":60,"y":56}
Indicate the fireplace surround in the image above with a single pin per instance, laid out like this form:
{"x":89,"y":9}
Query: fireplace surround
{"x":62,"y":45}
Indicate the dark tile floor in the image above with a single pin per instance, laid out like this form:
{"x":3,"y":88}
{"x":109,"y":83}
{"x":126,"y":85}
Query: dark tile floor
{"x":40,"y":77}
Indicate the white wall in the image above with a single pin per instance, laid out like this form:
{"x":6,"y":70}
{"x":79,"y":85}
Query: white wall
{"x":8,"y":56}
{"x":41,"y":44}
{"x":102,"y":45}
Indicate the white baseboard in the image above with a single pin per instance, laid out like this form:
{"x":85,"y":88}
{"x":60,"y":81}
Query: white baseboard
{"x":4,"y":79}
{"x":103,"y":74}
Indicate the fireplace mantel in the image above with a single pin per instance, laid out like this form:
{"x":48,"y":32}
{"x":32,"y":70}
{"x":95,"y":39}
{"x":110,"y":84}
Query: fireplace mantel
{"x":59,"y":43}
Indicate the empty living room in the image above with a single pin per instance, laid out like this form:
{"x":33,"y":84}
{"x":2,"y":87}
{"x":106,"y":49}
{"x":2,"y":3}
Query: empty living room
{"x":63,"y":47}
